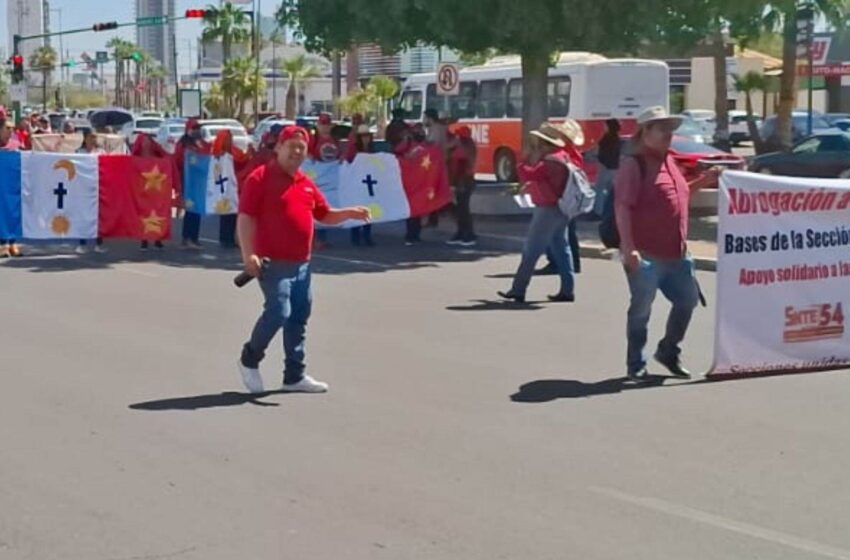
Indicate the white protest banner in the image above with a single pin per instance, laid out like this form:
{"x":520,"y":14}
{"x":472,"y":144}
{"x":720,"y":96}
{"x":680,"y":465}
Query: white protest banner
{"x":70,"y":143}
{"x":374,"y":181}
{"x":783,"y":274}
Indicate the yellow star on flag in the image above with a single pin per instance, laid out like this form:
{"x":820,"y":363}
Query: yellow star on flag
{"x":223,"y":206}
{"x":153,"y":224}
{"x":377,"y":211}
{"x":426,"y":162}
{"x":154,"y":179}
{"x":60,"y":225}
{"x":312,"y":174}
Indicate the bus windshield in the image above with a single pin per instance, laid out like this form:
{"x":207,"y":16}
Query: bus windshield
{"x":411,"y":102}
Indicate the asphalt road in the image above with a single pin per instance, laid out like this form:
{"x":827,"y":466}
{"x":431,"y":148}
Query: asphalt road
{"x":456,"y":428}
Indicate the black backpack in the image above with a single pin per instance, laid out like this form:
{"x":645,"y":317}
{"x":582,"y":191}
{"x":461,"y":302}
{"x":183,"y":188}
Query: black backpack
{"x":608,"y":232}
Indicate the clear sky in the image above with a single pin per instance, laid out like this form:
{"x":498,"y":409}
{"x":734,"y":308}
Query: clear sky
{"x":85,"y":13}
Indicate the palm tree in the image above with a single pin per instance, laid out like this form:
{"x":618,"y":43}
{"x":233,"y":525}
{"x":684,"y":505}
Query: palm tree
{"x":383,"y":89}
{"x":358,"y":101}
{"x":299,"y":69}
{"x":782,"y":15}
{"x":156,"y":76}
{"x":747,"y":84}
{"x":228,"y":23}
{"x":44,"y":60}
{"x":214,"y":101}
{"x":239,"y":83}
{"x":121,"y":51}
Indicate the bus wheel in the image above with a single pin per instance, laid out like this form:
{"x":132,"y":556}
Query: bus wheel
{"x":505,"y":165}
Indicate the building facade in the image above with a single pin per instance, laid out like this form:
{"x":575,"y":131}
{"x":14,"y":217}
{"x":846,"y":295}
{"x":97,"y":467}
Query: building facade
{"x":25,"y":17}
{"x":158,"y":40}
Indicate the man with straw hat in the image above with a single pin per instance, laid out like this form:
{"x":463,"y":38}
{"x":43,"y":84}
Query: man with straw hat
{"x":651,"y":201}
{"x":545,"y":183}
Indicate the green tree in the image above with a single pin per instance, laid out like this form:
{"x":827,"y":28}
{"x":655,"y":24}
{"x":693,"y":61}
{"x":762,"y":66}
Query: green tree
{"x":239,"y":84}
{"x":4,"y":85}
{"x":298,"y":69}
{"x":383,"y":89}
{"x":535,"y":29}
{"x":781,"y":15}
{"x":122,"y":50}
{"x":748,"y":84}
{"x":214,"y":101}
{"x":358,"y":101}
{"x":44,"y":61}
{"x":228,"y":23}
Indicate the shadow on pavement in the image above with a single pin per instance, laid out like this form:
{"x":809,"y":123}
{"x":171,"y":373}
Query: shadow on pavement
{"x":490,"y":305}
{"x":548,"y":390}
{"x":220,"y":400}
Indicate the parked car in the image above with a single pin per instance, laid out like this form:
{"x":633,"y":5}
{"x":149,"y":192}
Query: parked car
{"x":799,"y":124}
{"x":826,"y":154}
{"x":832,"y":118}
{"x":145,"y":125}
{"x":705,"y":118}
{"x":842,"y":125}
{"x":264,"y":127}
{"x":116,"y":117}
{"x":57,"y":120}
{"x":691,"y":129}
{"x":739,"y":130}
{"x":169,"y":133}
{"x":82,"y":126}
{"x":152,"y":115}
{"x":695,"y":157}
{"x":210,"y":128}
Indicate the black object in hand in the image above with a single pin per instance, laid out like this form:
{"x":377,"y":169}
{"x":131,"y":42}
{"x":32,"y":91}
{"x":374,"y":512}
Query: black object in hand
{"x":243,"y":278}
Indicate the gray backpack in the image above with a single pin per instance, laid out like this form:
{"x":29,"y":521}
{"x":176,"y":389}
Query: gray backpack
{"x":579,"y":196}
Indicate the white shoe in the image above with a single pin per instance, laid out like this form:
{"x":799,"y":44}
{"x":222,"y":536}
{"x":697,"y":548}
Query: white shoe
{"x":251,"y":378}
{"x":306,"y":385}
{"x":81,"y":250}
{"x":100,"y":249}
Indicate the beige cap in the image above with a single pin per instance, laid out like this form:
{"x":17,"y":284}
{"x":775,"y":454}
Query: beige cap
{"x":572,"y":131}
{"x":548,"y":133}
{"x":658,"y":114}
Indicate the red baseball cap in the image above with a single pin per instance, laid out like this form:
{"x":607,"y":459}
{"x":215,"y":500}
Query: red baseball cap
{"x":463,"y":131}
{"x":291,"y":132}
{"x":192,"y":124}
{"x":325,"y":118}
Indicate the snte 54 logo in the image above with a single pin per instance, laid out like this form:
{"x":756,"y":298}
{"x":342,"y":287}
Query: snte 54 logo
{"x":814,"y":322}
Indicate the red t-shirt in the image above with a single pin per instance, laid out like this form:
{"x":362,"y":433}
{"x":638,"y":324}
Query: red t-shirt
{"x":325,"y":149}
{"x":658,"y":203}
{"x":284,"y":208}
{"x":546,"y":179}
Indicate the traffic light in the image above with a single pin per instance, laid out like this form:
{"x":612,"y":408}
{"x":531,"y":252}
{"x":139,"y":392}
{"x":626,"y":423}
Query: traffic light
{"x":197,"y":14}
{"x":17,"y":69}
{"x":105,"y":26}
{"x":69,"y":64}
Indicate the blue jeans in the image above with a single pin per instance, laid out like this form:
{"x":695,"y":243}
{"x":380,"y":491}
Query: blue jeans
{"x":677,"y":281}
{"x":288,"y":302}
{"x":191,"y":226}
{"x":547,"y":229}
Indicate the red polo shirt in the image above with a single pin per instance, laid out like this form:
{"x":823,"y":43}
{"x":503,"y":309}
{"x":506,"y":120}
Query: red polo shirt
{"x":659,"y":205}
{"x":284,"y":207}
{"x":546,"y":179}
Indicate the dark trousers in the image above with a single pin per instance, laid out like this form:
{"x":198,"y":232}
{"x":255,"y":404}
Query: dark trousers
{"x":572,"y":239}
{"x":191,"y":226}
{"x":227,"y":230}
{"x":414,"y":230}
{"x":361,"y":232}
{"x":463,"y":211}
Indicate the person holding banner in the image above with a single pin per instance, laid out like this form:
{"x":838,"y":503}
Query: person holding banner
{"x":191,"y":142}
{"x":651,"y":207}
{"x":145,"y":147}
{"x":9,"y":143}
{"x":324,"y":148}
{"x":223,"y":144}
{"x":90,"y":147}
{"x":277,"y":207}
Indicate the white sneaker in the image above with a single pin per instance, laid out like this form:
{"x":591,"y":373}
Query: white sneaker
{"x":100,"y":249}
{"x":251,"y":378}
{"x":81,"y":250}
{"x":306,"y":385}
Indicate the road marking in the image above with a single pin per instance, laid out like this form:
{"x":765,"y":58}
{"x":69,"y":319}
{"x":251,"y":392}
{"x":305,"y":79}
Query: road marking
{"x":137,"y":272}
{"x":326,"y":257}
{"x":741,"y":528}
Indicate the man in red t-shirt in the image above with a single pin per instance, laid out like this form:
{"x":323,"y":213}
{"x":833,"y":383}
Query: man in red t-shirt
{"x":323,"y":146}
{"x":277,"y":207}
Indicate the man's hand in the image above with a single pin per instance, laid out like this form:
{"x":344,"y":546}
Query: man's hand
{"x":631,"y":261}
{"x":712,"y":176}
{"x":254,"y":266}
{"x":360,"y":213}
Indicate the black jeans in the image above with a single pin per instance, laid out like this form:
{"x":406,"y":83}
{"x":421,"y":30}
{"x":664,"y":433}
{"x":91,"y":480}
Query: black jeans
{"x":463,"y":212}
{"x":414,"y":230}
{"x":191,"y":227}
{"x":227,"y":230}
{"x":364,"y":232}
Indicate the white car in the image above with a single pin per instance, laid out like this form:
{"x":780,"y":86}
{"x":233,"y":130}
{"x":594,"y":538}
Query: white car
{"x":144,"y":125}
{"x":739,"y":131}
{"x":169,"y":134}
{"x":264,"y":127}
{"x":210,"y":128}
{"x":706,"y":118}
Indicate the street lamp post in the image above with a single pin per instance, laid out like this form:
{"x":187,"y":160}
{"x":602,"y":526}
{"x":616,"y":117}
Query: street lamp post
{"x":62,"y":76}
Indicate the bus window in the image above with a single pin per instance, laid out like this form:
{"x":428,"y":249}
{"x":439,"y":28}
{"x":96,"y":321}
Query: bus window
{"x":463,"y":104}
{"x":559,"y":96}
{"x":434,"y":101}
{"x":411,"y":102}
{"x":491,"y":99}
{"x":515,"y":98}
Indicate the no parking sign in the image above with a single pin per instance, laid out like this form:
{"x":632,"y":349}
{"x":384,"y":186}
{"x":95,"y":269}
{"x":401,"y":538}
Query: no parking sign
{"x":448,"y":79}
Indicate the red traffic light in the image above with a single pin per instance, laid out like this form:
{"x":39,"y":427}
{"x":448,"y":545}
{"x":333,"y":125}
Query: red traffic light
{"x":18,"y":60}
{"x":192,"y":14}
{"x":105,"y":26}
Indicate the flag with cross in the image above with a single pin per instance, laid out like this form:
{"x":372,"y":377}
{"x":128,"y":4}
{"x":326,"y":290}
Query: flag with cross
{"x":374,"y":181}
{"x":210,"y":185}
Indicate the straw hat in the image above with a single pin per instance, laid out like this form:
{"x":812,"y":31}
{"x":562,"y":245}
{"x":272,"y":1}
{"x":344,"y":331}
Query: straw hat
{"x":572,"y":131}
{"x":550,"y":134}
{"x":657,"y":115}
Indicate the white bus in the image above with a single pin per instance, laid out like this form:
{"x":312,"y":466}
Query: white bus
{"x":584,"y":86}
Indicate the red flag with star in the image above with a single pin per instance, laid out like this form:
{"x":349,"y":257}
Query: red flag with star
{"x":135,"y":197}
{"x":426,"y":180}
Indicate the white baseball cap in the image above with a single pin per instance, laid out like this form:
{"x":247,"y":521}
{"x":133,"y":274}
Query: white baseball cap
{"x":658,"y":114}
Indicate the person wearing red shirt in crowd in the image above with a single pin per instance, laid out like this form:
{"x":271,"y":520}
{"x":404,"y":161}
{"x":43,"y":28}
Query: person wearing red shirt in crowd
{"x":323,"y":146}
{"x":651,"y":198}
{"x":362,"y":144}
{"x":24,"y":134}
{"x":145,"y":147}
{"x":8,"y":143}
{"x":277,"y":207}
{"x":461,"y":164}
{"x":223,"y":144}
{"x":545,"y":177}
{"x":191,"y":142}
